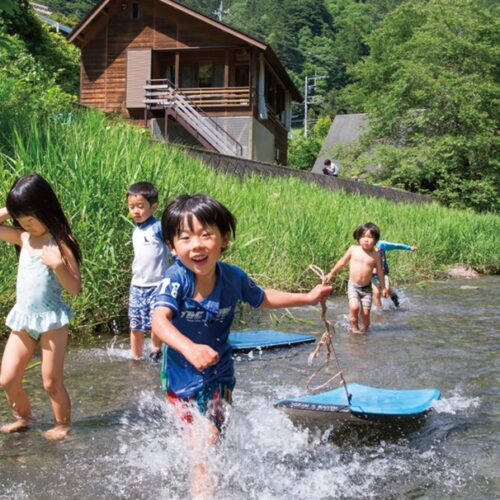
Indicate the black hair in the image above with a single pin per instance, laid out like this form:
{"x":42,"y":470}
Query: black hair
{"x":32,"y":196}
{"x":327,"y":162}
{"x":145,"y":189}
{"x":208,"y":211}
{"x":369,"y":226}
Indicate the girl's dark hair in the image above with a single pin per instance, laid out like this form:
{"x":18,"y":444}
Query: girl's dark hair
{"x":369,"y":226}
{"x":145,"y":189}
{"x":208,"y":211}
{"x":31,"y":195}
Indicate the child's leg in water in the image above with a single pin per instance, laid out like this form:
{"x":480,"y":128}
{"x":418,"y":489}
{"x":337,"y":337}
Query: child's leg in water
{"x":203,"y":435}
{"x":377,"y":296}
{"x":353,"y":315}
{"x":53,"y":346}
{"x":365,"y":319}
{"x":136,"y":343}
{"x":18,"y":351}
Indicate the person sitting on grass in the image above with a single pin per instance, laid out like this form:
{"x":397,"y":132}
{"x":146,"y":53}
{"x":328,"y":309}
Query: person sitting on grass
{"x":362,"y":258}
{"x":151,"y":260}
{"x":194,"y":309}
{"x":383,"y":247}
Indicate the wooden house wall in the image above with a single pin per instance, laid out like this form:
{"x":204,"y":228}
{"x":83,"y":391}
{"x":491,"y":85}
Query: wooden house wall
{"x":104,"y":57}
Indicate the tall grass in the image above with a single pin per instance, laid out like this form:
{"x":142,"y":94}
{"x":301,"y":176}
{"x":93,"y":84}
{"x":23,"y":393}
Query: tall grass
{"x":284,"y":224}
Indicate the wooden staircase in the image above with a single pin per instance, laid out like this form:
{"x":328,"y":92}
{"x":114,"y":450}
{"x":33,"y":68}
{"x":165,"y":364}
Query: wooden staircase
{"x":163,"y":95}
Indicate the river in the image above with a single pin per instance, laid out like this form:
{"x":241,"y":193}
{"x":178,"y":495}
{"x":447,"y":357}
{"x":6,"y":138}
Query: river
{"x":125,"y":442}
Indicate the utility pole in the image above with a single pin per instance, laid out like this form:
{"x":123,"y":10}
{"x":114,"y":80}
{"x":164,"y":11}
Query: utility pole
{"x":307,"y":84}
{"x":305,"y":107}
{"x":220,"y":11}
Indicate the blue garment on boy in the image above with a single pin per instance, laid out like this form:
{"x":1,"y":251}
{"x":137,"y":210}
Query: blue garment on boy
{"x":387,"y":246}
{"x":205,"y":322}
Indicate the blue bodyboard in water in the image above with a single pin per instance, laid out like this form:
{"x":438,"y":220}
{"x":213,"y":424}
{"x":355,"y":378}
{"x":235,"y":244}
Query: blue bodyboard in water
{"x":266,"y":339}
{"x":367,"y":403}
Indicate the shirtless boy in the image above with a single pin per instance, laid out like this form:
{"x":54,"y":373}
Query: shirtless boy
{"x":362,"y":259}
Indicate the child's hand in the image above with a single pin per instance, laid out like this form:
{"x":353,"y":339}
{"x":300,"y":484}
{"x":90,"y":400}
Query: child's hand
{"x":385,"y":292}
{"x":51,"y":256}
{"x":201,"y":356}
{"x":414,"y":249}
{"x":328,"y":277}
{"x":319,"y":293}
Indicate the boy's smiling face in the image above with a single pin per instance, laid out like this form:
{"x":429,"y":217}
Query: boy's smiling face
{"x":139,"y":208}
{"x":199,"y":248}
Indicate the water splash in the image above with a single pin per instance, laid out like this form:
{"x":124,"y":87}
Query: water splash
{"x":455,"y":404}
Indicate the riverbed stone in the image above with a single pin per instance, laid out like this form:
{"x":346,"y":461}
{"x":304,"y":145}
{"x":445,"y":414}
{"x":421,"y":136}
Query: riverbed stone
{"x":461,"y":271}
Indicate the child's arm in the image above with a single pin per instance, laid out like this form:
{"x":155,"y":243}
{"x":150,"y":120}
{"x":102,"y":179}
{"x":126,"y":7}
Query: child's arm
{"x":389,"y":245}
{"x":67,"y":269}
{"x":201,"y":356}
{"x":275,"y":299}
{"x":8,"y":233}
{"x":342,"y":262}
{"x":380,"y":275}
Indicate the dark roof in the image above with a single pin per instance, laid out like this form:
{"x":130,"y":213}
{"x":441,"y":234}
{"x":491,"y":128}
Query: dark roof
{"x":254,"y":42}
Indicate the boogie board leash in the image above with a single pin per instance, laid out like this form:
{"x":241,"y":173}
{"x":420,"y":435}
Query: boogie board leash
{"x":326,"y":340}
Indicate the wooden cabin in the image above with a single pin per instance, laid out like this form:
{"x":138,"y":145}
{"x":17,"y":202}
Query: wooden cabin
{"x":186,"y":76}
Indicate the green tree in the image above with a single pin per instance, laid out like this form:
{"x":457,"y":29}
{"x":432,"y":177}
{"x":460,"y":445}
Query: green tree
{"x":430,"y":86}
{"x":303,"y":151}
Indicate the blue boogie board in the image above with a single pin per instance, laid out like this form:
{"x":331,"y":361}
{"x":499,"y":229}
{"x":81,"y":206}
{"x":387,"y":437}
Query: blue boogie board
{"x":266,"y":339}
{"x":368,"y":404}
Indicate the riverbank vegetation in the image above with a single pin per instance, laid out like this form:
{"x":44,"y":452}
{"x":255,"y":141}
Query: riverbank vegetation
{"x":283,"y":224}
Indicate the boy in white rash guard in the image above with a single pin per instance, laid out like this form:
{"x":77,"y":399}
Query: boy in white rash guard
{"x":151,"y":260}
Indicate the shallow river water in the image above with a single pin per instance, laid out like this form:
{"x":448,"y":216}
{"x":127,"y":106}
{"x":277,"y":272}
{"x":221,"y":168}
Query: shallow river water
{"x":125,"y":442}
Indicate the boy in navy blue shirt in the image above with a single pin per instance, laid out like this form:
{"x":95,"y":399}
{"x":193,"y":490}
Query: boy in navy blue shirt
{"x":151,"y":257}
{"x":194,"y":309}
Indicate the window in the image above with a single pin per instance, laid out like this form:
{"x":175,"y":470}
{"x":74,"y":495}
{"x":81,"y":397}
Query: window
{"x":135,"y":10}
{"x":241,"y":75}
{"x":187,"y":77}
{"x":211,"y":75}
{"x":170,"y":73}
{"x":201,"y":75}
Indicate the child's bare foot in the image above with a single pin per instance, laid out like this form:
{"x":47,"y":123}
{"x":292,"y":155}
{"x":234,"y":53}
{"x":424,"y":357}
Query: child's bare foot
{"x":357,"y":331}
{"x":57,"y":433}
{"x":20,"y":425}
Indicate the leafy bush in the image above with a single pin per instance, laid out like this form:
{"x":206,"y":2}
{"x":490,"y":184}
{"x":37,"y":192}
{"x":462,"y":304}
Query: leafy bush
{"x":429,"y":85}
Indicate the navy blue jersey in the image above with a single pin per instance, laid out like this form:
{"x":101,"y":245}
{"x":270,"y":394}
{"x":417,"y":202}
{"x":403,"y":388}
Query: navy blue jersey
{"x":205,"y":322}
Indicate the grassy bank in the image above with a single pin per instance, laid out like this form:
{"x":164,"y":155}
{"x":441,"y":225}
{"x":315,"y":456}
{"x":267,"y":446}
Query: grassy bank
{"x":283,"y":224}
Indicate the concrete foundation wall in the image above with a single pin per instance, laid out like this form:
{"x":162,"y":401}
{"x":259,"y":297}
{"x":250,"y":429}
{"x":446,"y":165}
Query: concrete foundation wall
{"x":241,"y":168}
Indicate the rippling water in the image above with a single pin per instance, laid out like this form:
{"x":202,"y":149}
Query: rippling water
{"x":125,"y":441}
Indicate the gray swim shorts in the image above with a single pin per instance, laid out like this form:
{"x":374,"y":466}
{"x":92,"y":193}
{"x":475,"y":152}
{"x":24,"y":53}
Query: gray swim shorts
{"x":360,"y":293}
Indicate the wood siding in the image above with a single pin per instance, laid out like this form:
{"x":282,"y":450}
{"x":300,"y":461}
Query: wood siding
{"x":115,"y":60}
{"x":104,"y":52}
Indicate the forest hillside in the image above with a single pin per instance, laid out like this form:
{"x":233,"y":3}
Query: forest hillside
{"x":425,"y":72}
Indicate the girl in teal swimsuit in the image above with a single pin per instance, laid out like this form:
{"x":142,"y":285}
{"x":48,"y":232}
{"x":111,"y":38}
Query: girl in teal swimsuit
{"x":49,"y":261}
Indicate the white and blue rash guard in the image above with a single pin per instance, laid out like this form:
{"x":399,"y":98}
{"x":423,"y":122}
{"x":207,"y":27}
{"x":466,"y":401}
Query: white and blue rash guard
{"x":151,"y":255}
{"x":205,"y":322}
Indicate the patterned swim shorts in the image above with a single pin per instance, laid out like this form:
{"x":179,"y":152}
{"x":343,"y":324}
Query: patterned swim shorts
{"x":212,"y":401}
{"x":140,"y":307}
{"x":360,"y":293}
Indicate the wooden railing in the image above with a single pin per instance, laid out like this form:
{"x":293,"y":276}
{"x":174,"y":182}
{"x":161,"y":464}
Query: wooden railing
{"x":166,"y":96}
{"x":205,"y":97}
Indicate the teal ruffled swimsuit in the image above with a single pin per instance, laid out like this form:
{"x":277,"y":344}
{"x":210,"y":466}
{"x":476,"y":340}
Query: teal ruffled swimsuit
{"x":39,"y":307}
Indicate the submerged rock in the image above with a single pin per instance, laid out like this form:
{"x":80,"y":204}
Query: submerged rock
{"x":463,"y":272}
